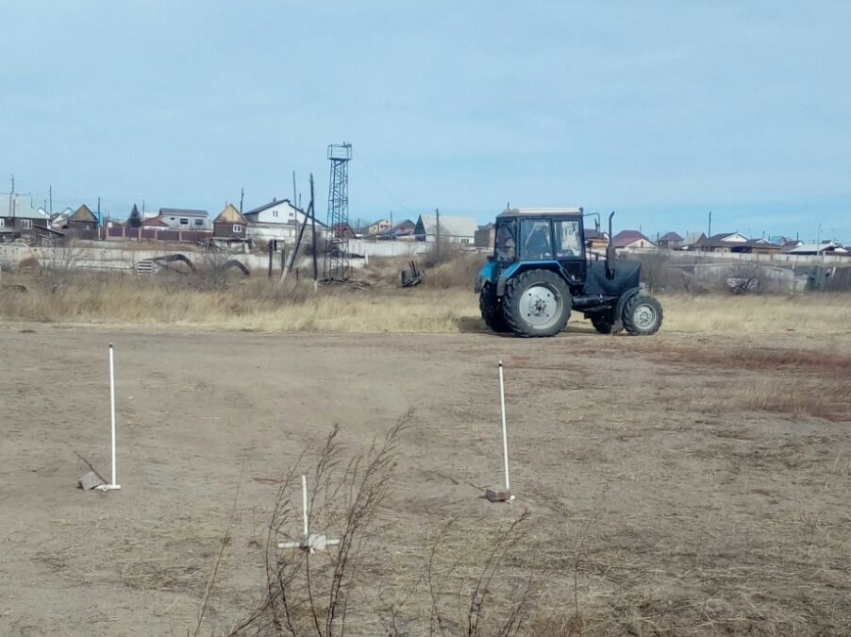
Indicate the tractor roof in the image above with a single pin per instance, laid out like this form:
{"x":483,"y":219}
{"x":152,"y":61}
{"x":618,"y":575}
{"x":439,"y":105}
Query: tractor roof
{"x":540,"y":212}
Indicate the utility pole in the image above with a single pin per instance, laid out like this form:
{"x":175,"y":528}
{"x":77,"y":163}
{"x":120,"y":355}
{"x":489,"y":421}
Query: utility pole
{"x":295,"y":197}
{"x":241,"y":197}
{"x":313,"y":232}
{"x":437,"y":242}
{"x":710,"y":224}
{"x":11,"y":195}
{"x":51,"y":200}
{"x":98,"y":207}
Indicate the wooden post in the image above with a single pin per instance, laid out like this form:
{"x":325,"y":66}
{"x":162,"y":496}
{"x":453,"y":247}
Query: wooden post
{"x":437,"y":242}
{"x":313,"y":224}
{"x":271,"y":251}
{"x":294,"y":253}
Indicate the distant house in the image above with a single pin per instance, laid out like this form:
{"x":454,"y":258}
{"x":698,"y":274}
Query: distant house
{"x":691,"y":240}
{"x":813,"y":249}
{"x":83,"y":224}
{"x":154,"y":223}
{"x":20,"y":220}
{"x":183,"y":219}
{"x":485,"y":236}
{"x":760,"y":246}
{"x":595,"y":240}
{"x":403,"y":230}
{"x":230,"y":224}
{"x":343,"y":231}
{"x":379,"y":227}
{"x":670,"y":241}
{"x":734,"y":243}
{"x":787,"y":245}
{"x":451,"y":229}
{"x":631,"y":240}
{"x":278,"y":220}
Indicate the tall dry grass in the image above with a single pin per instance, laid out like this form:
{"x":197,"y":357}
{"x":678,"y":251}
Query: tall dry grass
{"x":250,"y":305}
{"x":444,"y":303}
{"x":814,"y":314}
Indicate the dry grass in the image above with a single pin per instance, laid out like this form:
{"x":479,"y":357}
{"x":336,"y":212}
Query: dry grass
{"x":251,"y":305}
{"x":811,"y":314}
{"x":444,"y":303}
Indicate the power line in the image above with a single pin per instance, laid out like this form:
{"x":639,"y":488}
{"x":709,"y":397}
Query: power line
{"x":381,"y":185}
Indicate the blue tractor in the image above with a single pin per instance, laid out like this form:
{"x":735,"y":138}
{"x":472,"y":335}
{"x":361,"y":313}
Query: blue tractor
{"x":540,"y":271}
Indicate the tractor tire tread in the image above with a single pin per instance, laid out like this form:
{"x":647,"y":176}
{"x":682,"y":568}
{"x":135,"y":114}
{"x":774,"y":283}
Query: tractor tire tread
{"x":511,"y":309}
{"x":629,"y":315}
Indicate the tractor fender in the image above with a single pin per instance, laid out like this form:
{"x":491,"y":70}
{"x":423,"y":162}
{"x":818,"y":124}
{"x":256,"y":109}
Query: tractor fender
{"x":623,"y":300}
{"x":485,"y":275}
{"x":515,"y":269}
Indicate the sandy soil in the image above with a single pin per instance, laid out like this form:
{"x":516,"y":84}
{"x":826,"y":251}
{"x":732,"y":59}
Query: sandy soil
{"x":678,"y":508}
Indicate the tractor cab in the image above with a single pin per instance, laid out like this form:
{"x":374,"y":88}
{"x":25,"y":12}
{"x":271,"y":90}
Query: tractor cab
{"x":542,"y":235}
{"x":539,"y":271}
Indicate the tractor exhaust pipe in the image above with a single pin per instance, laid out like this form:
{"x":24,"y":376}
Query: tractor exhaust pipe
{"x":610,"y":252}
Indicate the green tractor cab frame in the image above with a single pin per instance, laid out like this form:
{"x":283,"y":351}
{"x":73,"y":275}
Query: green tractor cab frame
{"x":540,"y":270}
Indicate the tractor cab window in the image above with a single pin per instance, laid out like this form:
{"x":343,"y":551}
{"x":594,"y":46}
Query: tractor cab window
{"x":505,"y":247}
{"x":568,"y":242}
{"x":535,"y":239}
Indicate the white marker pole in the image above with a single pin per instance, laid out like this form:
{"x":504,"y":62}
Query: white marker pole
{"x":504,"y":427}
{"x":304,"y":503}
{"x":114,"y":484}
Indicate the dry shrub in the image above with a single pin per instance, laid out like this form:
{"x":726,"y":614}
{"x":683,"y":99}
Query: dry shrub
{"x":459,"y":272}
{"x":480,"y":584}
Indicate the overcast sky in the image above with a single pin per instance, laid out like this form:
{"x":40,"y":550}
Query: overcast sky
{"x":659,"y":110}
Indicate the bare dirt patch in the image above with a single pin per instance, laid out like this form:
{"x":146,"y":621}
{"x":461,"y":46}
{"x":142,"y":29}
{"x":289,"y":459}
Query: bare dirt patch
{"x":662,"y":503}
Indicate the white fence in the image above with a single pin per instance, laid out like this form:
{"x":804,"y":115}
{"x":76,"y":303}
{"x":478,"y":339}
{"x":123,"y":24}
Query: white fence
{"x":774,"y":259}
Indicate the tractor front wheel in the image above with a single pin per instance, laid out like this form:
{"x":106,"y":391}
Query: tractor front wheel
{"x":642,"y":315}
{"x":537,"y":303}
{"x":490,"y":306}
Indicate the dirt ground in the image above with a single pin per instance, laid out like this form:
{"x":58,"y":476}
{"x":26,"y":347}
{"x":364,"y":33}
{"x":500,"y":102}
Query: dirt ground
{"x":669,"y":488}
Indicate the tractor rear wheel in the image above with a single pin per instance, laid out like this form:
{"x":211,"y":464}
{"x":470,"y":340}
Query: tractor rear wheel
{"x":490,"y":306}
{"x":642,"y":315}
{"x":537,"y":303}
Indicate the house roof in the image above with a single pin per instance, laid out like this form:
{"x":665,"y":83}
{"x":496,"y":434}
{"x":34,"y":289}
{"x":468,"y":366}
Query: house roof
{"x":256,"y":211}
{"x":449,"y":226}
{"x":693,"y":238}
{"x":761,"y":243}
{"x":670,"y":236}
{"x":625,"y":238}
{"x":591,"y":234}
{"x":722,"y":239}
{"x":183,"y":212}
{"x":21,"y":205}
{"x":814,"y":248}
{"x":158,"y":222}
{"x":274,"y":202}
{"x":83,"y":214}
{"x":231,"y":215}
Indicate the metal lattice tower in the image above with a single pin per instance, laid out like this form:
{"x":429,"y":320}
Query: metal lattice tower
{"x":336,"y":266}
